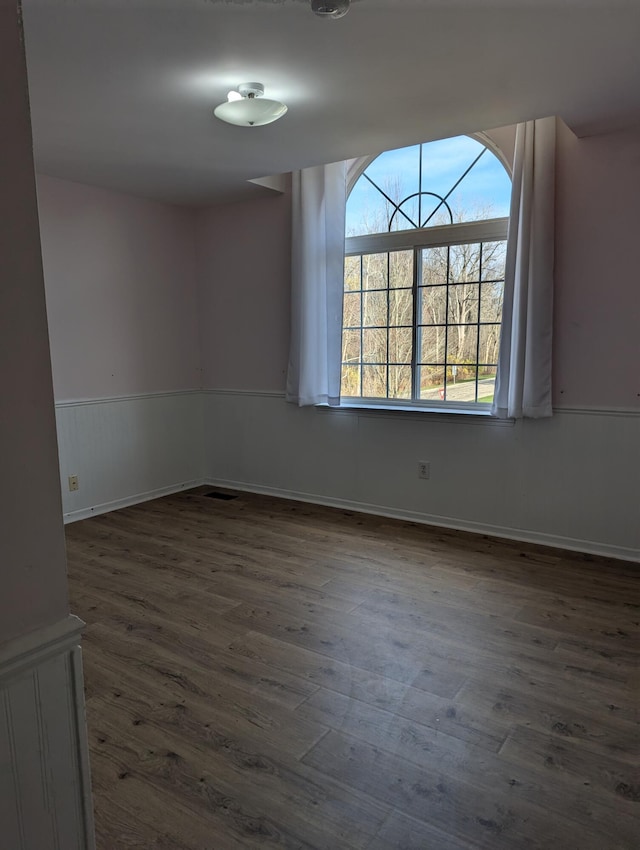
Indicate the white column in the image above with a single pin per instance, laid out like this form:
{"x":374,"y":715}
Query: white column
{"x":44,"y":790}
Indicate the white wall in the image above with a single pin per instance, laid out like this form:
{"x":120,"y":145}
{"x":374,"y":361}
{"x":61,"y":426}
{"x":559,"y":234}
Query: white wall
{"x":121,"y":292}
{"x":597,"y":309}
{"x":44,"y":778}
{"x":32,"y":558}
{"x":243,"y":268}
{"x":121,"y":298}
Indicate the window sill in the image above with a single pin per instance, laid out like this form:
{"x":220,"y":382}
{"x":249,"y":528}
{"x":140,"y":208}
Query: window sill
{"x":477,"y":415}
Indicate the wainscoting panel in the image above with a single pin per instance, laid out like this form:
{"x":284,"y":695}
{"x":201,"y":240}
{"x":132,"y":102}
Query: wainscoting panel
{"x":45,"y":789}
{"x":126,"y":450}
{"x":571,"y":481}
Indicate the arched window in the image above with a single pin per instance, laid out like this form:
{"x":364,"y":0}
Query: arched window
{"x":426,"y":230}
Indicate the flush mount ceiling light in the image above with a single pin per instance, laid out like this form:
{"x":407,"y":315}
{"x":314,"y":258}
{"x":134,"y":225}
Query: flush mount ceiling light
{"x":331,"y":9}
{"x":246,"y":107}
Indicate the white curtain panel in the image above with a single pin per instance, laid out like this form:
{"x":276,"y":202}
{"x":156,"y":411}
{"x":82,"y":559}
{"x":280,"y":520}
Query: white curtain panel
{"x":317,"y":270}
{"x":523,"y":385}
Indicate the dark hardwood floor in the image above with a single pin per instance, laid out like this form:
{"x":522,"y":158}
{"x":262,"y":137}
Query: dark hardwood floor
{"x":264,"y":673}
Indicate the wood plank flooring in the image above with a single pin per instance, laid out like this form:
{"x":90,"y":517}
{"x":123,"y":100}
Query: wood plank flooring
{"x":263,"y":673}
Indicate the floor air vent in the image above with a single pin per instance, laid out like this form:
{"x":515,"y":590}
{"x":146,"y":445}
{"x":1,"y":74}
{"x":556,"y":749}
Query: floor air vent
{"x":216,"y":494}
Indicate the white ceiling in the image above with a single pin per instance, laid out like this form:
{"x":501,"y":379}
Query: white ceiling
{"x":122,"y":91}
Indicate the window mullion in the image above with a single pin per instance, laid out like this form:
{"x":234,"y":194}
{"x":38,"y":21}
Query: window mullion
{"x":478,"y":320}
{"x":420,"y":187}
{"x":416,"y":330}
{"x":446,"y":323}
{"x":388,"y":319}
{"x":361,"y":326}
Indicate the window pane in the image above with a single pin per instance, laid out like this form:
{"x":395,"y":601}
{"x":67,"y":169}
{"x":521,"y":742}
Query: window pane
{"x":431,"y":348}
{"x":375,"y":309}
{"x":400,"y":345}
{"x":460,"y":169}
{"x":434,"y":305}
{"x":374,"y":381}
{"x":486,"y":383}
{"x":406,"y":216}
{"x":461,"y":383}
{"x":434,"y":266}
{"x":374,"y":271}
{"x":351,"y":273}
{"x":350,"y":384}
{"x":351,"y":346}
{"x":401,"y":269}
{"x":463,"y":303}
{"x":459,"y":287}
{"x":401,"y":307}
{"x":368,"y":210}
{"x":374,"y":345}
{"x":399,"y":381}
{"x":462,"y":341}
{"x":431,"y":382}
{"x":493,"y":258}
{"x":464,"y":263}
{"x":351,"y":310}
{"x":489,"y":343}
{"x":394,"y":173}
{"x":483,"y":193}
{"x":491,"y":298}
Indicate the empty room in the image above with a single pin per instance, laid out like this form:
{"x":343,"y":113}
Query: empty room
{"x":320,"y":432}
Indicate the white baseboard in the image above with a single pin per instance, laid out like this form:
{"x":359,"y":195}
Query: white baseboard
{"x":45,"y":785}
{"x":136,"y":499}
{"x":520,"y":535}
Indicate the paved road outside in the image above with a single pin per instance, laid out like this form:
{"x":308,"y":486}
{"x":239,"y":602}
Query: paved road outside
{"x":465,"y":391}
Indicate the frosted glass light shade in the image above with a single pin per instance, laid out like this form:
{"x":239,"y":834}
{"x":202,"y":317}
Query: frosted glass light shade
{"x":250,"y":111}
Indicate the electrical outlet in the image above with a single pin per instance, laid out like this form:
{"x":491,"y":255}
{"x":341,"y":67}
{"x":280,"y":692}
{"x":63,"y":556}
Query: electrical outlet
{"x":424,"y":469}
{"x":73,"y":483}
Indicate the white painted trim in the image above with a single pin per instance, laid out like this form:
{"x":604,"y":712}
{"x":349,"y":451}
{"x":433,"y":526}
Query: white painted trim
{"x":28,"y":650}
{"x":453,"y":415}
{"x":255,"y":393}
{"x":488,"y":142}
{"x":592,"y":411}
{"x":81,"y":402}
{"x":520,"y":535}
{"x":622,"y":412}
{"x":127,"y":501}
{"x":84,"y":766}
{"x":485,"y":230}
{"x":275,"y":183}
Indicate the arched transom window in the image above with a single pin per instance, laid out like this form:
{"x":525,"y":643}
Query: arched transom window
{"x":426,"y":229}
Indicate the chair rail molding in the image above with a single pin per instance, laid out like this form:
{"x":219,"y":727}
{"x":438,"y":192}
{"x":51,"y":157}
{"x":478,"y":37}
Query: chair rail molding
{"x":45,"y":785}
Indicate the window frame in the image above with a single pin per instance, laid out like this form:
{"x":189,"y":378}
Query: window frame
{"x":415,"y":239}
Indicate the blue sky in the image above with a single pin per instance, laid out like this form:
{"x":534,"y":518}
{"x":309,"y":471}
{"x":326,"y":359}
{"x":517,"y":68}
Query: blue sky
{"x":397,"y":172}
